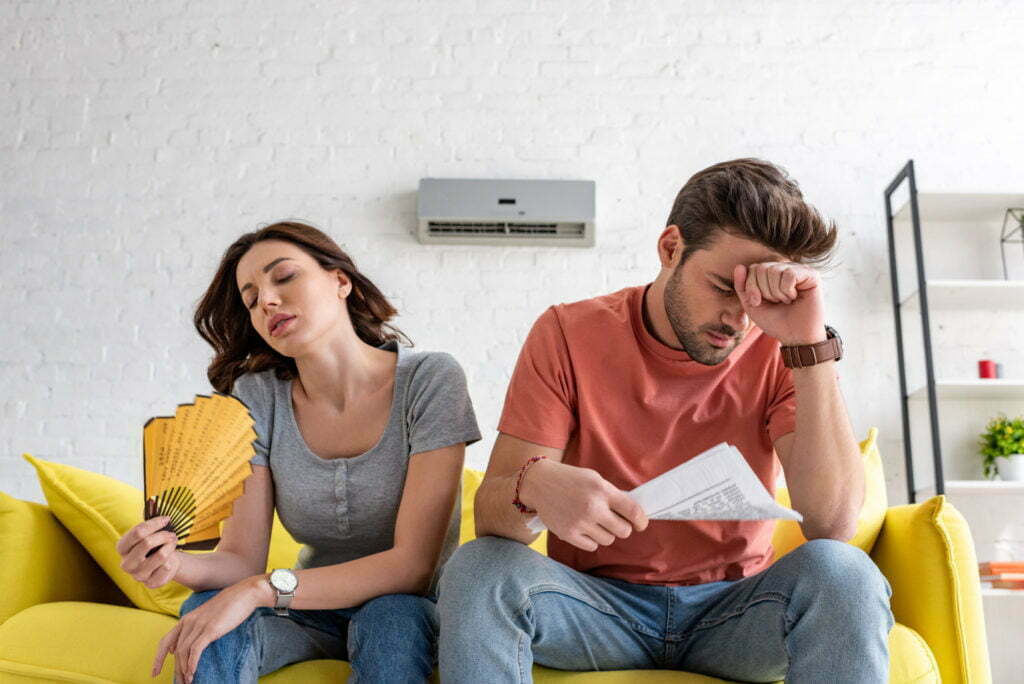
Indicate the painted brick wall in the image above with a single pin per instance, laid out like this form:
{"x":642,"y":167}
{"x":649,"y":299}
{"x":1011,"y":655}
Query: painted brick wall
{"x":139,"y":139}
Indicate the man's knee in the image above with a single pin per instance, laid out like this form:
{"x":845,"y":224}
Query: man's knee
{"x":482,"y":558}
{"x":841,"y":570}
{"x":482,"y":567}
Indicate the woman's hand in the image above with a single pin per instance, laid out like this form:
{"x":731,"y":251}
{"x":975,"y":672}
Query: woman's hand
{"x":204,"y":625}
{"x":159,"y":568}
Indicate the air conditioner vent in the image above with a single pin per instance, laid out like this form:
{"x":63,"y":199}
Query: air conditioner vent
{"x":502,"y":228}
{"x":505,"y":212}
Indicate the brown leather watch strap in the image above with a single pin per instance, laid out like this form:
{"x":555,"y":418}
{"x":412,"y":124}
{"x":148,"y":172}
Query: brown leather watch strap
{"x":804,"y":355}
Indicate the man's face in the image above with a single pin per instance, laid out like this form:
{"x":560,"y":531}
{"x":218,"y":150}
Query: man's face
{"x":701,"y":305}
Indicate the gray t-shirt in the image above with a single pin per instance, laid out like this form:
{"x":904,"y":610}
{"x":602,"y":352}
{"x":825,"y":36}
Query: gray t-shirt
{"x":345,"y":508}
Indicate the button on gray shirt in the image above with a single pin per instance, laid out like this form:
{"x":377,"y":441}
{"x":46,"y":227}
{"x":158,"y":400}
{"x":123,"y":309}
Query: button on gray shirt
{"x":345,"y":508}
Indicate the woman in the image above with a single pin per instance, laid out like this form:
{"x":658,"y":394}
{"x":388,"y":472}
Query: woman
{"x":360,"y":447}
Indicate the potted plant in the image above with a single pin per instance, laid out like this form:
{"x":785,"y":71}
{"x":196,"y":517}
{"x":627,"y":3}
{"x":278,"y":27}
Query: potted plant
{"x":1003,"y":439}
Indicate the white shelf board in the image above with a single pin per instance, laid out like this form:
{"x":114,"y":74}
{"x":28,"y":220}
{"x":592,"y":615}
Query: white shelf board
{"x":961,"y":207}
{"x":970,"y":294}
{"x":961,"y":488}
{"x":989,"y":591}
{"x":987,"y":486}
{"x":986,"y":389}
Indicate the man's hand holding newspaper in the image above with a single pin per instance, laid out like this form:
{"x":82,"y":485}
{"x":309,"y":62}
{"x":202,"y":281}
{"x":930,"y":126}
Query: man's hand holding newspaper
{"x":716,"y":485}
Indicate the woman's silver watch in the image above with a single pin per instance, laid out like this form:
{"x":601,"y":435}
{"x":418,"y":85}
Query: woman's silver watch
{"x":284,"y":582}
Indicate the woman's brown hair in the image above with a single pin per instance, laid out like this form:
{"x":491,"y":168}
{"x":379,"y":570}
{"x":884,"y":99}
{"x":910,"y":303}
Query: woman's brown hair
{"x":222,"y":319}
{"x":754,"y":199}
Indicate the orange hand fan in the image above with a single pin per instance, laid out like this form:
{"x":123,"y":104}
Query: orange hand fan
{"x":194,"y":466}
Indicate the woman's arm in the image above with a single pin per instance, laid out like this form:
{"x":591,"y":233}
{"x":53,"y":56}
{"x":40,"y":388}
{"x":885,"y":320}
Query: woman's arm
{"x":245,"y":540}
{"x":431,"y":485}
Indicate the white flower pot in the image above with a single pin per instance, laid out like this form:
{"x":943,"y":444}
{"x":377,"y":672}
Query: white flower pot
{"x":1011,"y":468}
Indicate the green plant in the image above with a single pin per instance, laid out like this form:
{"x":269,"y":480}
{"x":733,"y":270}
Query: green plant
{"x":1002,"y":437}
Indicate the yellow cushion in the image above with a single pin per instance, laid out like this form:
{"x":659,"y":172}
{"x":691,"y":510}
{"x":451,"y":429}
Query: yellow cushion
{"x":787,"y":535}
{"x":32,"y":540}
{"x":910,"y":659}
{"x":471,"y":480}
{"x":926,"y":552}
{"x":98,"y":510}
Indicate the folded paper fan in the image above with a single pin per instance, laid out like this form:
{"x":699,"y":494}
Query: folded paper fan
{"x":194,"y":466}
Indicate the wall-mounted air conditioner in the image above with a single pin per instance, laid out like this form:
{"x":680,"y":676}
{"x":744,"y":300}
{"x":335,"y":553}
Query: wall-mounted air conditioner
{"x":505,"y":212}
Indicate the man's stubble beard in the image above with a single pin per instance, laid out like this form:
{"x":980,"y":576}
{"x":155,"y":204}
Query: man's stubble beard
{"x":692,"y":339}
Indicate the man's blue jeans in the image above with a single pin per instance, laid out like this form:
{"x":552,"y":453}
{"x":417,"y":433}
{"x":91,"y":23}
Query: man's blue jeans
{"x":819,"y":614}
{"x":392,"y":638}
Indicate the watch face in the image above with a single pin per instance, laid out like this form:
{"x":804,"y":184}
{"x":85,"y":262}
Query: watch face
{"x":284,"y":580}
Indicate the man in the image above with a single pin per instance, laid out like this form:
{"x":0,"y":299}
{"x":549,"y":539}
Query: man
{"x":612,"y":391}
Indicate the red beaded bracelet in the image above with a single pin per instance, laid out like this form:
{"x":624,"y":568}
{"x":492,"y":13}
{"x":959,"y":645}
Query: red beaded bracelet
{"x":520,"y":506}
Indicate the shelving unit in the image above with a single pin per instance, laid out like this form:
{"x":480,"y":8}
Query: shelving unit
{"x":966,"y":276}
{"x":944,"y":406}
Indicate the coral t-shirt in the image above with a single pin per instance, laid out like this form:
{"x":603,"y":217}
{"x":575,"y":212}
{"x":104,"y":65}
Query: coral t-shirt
{"x":592,"y":380}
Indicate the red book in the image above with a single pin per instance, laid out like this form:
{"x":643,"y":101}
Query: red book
{"x":998,"y":567}
{"x":1008,"y":584}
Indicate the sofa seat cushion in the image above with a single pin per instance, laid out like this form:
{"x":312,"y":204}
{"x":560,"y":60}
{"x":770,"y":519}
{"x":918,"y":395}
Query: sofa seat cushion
{"x":93,"y":642}
{"x":84,"y":642}
{"x":77,"y":641}
{"x":910,"y":659}
{"x":32,"y":539}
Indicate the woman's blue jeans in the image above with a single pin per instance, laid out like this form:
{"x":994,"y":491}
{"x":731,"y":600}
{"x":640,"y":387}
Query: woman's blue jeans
{"x":818,"y":614}
{"x":391,"y":638}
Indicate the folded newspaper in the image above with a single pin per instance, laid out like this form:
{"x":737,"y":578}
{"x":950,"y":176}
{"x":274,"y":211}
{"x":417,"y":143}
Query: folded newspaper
{"x":716,"y":485}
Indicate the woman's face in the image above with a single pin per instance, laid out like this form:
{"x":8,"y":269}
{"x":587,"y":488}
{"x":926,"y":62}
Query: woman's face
{"x":292,"y":301}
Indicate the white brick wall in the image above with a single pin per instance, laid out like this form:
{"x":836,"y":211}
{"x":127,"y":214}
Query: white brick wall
{"x":139,"y":139}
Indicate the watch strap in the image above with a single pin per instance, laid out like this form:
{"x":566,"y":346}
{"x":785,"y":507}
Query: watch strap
{"x":283,"y":602}
{"x":803,"y":355}
{"x":284,"y":599}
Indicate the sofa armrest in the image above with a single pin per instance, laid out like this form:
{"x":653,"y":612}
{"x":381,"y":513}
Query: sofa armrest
{"x":43,"y":562}
{"x":926,"y":552}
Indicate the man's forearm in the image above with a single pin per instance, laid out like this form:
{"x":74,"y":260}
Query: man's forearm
{"x":494,"y":513}
{"x":826,"y":482}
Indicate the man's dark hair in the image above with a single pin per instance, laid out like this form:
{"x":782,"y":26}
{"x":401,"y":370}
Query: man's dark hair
{"x":754,"y":199}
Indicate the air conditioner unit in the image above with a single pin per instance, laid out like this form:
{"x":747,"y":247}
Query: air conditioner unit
{"x":505,"y":212}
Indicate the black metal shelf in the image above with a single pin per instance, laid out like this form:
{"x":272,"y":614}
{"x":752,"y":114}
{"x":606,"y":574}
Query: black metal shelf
{"x":906,"y":174}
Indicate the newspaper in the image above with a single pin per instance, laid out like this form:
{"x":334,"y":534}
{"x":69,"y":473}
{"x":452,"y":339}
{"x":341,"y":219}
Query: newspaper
{"x":716,"y":485}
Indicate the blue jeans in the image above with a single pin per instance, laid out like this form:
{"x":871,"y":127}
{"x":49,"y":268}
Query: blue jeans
{"x":819,"y":614}
{"x":391,"y":638}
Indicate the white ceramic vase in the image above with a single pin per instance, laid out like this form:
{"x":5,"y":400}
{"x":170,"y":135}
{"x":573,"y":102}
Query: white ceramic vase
{"x":1011,"y":468}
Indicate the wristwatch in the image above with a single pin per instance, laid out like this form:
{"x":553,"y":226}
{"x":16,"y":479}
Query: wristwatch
{"x":284,"y":582}
{"x":803,"y":355}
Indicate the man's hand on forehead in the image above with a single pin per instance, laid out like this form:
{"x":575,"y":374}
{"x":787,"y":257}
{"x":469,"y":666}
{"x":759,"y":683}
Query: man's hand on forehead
{"x":782,"y":298}
{"x":773,"y":281}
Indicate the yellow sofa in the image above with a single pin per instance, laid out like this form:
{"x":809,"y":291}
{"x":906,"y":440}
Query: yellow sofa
{"x":65,"y":620}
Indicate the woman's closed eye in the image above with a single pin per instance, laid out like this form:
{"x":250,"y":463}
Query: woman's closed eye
{"x":282,"y":280}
